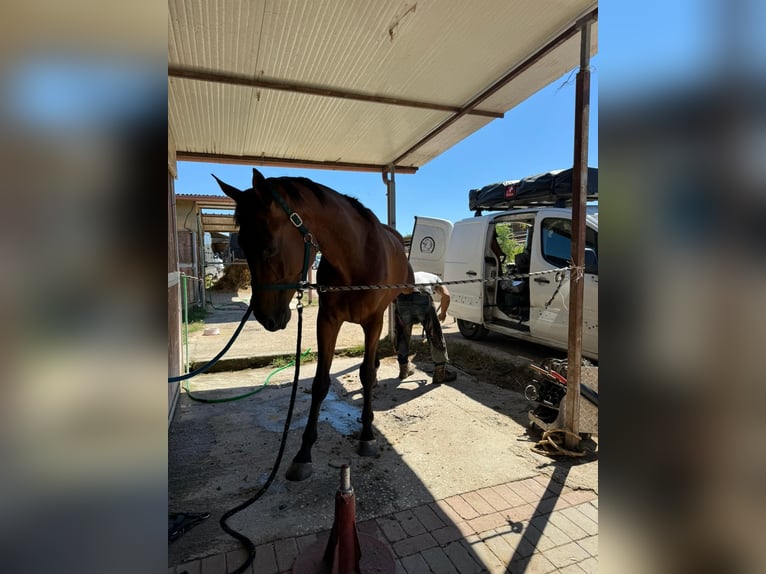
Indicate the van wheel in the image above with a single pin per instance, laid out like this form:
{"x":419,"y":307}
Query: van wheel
{"x":472,"y":330}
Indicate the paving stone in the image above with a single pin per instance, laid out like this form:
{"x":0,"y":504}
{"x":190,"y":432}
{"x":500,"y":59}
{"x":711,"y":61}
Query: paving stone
{"x":569,"y":527}
{"x":304,"y":542}
{"x":478,"y":503}
{"x":414,"y":544}
{"x":445,"y":512}
{"x":235,"y":559}
{"x":462,"y":558}
{"x":573,"y":569}
{"x":192,"y":567}
{"x":286,"y":551}
{"x":567,"y":555}
{"x":589,"y":565}
{"x":371,"y":528}
{"x":553,"y":533}
{"x":465,"y":528}
{"x":391,"y":528}
{"x":577,"y":517}
{"x":463,"y":508}
{"x":523,"y":491}
{"x":415,"y":564}
{"x":488,"y":522}
{"x":510,"y":496}
{"x":409,"y":522}
{"x":575,"y":497}
{"x":485,"y":556}
{"x":213,"y":564}
{"x":265,"y":559}
{"x":494,"y":498}
{"x":446,"y":534}
{"x":540,"y":490}
{"x":428,"y":517}
{"x":589,"y":510}
{"x":499,"y":547}
{"x":438,"y":561}
{"x":522,"y":547}
{"x":521,"y":514}
{"x":590,"y":544}
{"x":535,"y":564}
{"x":539,"y":541}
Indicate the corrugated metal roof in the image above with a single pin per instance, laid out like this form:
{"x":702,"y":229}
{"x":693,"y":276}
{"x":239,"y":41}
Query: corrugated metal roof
{"x":444,"y":52}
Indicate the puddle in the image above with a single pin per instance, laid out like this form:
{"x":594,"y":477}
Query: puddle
{"x":343,"y":417}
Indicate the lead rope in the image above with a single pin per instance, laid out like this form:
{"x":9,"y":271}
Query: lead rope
{"x":249,"y":545}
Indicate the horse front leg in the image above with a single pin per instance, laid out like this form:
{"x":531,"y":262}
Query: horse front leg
{"x":368,"y":374}
{"x":327,"y":333}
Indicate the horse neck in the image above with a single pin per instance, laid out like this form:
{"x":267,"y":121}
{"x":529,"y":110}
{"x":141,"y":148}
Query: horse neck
{"x":340,"y":231}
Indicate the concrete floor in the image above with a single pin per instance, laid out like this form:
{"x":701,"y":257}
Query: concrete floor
{"x":436,"y":441}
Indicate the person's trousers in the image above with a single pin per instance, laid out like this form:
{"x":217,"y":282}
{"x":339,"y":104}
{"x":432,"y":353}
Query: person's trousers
{"x":418,"y":308}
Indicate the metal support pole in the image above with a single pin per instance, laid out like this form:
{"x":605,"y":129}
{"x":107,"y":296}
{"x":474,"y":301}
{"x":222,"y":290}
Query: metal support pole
{"x":577,"y":281}
{"x":389,"y":178}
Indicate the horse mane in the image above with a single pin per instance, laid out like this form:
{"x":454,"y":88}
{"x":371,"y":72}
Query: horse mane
{"x":295,"y":192}
{"x":294,"y":188}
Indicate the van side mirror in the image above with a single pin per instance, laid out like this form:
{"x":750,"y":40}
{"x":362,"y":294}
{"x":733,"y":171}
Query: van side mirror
{"x":591,"y":261}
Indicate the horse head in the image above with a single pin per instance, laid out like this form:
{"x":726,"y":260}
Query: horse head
{"x":273,"y":248}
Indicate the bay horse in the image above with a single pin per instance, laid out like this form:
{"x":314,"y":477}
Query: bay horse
{"x":357,"y":249}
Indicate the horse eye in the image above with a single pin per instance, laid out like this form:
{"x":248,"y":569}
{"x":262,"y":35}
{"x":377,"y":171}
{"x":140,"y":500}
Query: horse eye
{"x":269,"y":252}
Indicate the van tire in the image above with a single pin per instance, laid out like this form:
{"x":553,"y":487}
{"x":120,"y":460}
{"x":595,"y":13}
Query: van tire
{"x":472,"y":330}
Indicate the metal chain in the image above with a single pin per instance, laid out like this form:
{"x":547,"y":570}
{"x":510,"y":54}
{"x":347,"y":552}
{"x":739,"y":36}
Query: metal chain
{"x":328,"y":288}
{"x":556,"y":292}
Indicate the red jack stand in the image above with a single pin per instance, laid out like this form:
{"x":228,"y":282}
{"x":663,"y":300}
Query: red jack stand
{"x":345,"y":551}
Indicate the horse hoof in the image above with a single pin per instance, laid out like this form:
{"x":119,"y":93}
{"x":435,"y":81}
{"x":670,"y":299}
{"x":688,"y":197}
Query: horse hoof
{"x":368,"y":448}
{"x":299,"y":471}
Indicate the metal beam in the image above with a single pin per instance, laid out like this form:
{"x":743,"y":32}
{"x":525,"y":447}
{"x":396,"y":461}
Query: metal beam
{"x":187,"y":73}
{"x":502,"y":82}
{"x":389,"y":178}
{"x":577,"y":282}
{"x":285,"y":162}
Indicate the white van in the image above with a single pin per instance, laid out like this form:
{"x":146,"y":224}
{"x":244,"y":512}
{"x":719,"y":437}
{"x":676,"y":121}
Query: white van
{"x":534,"y":239}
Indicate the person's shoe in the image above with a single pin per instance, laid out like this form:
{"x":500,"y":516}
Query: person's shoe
{"x":442,"y":375}
{"x":405,"y":370}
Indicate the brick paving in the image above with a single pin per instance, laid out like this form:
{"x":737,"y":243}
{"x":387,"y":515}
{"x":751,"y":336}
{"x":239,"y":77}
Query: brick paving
{"x":521,"y":527}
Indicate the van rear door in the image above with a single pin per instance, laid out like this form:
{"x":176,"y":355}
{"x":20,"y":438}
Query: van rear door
{"x":464,"y":260}
{"x":430,"y":237}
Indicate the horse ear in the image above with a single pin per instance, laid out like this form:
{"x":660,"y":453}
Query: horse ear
{"x":229,"y":190}
{"x":259,"y":182}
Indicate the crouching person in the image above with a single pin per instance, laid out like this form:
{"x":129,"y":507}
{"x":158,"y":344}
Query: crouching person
{"x":418,"y":307}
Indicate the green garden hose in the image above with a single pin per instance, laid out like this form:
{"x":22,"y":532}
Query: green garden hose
{"x":248,"y":394}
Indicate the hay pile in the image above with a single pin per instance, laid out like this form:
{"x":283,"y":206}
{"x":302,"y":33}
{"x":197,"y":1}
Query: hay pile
{"x":234,"y":278}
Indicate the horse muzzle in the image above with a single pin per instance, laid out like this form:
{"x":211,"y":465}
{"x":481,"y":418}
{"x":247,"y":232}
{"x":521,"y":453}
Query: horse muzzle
{"x":275,"y":322}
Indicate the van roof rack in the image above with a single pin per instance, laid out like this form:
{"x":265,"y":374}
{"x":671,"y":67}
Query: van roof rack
{"x":552,"y":188}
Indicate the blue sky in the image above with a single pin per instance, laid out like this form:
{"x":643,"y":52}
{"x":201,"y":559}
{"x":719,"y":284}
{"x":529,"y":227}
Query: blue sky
{"x":534,"y":137}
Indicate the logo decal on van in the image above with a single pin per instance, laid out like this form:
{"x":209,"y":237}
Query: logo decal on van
{"x":427,"y":244}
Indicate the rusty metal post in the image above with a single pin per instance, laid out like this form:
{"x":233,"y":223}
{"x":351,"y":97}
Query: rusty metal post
{"x":389,"y":178}
{"x":577,"y":282}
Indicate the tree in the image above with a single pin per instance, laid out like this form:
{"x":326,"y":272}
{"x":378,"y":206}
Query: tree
{"x":507,"y":242}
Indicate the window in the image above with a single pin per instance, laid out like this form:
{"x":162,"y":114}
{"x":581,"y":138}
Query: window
{"x":557,"y":241}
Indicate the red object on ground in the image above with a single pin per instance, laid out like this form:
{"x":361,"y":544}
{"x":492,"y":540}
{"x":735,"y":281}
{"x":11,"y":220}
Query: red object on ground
{"x":346,"y":551}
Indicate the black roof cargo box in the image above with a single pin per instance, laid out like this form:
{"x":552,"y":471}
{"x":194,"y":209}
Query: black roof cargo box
{"x":549,"y":188}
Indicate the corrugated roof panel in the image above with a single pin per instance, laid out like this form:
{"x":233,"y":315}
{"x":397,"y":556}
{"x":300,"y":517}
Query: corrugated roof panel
{"x":442,"y":51}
